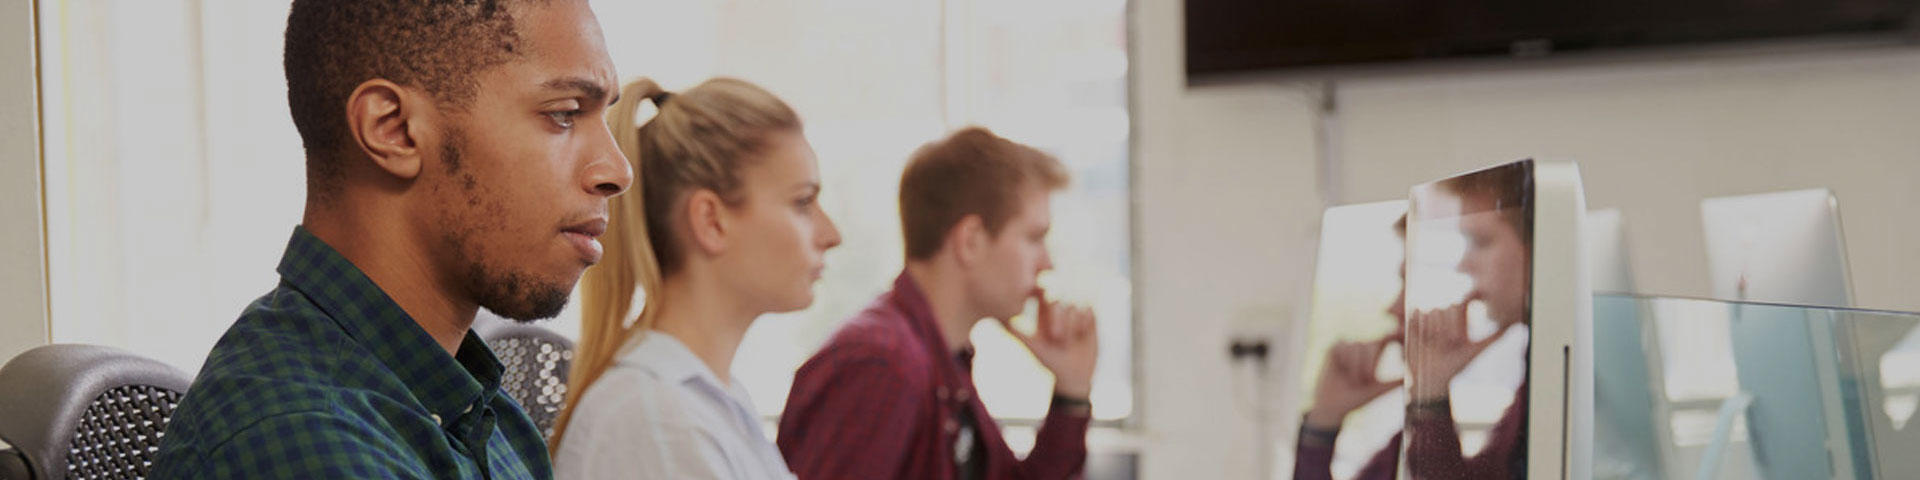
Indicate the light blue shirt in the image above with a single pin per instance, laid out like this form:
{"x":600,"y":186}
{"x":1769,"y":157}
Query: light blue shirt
{"x":659,"y":412}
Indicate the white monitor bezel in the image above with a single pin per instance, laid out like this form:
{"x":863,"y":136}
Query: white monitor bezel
{"x":1560,"y":376}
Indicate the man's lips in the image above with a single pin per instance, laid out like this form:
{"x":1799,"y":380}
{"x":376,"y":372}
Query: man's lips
{"x":585,"y":238}
{"x":592,"y":228}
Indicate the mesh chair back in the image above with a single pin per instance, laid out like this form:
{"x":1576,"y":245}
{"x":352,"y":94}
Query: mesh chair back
{"x":120,"y":432}
{"x":536,"y":361}
{"x":87,"y":412}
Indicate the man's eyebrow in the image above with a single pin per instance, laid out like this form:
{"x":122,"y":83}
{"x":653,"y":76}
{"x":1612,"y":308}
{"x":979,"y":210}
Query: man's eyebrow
{"x":587,"y":88}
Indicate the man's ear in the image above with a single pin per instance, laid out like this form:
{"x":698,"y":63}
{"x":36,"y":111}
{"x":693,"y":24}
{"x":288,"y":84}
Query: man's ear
{"x":382,"y":117}
{"x":969,"y":239}
{"x":707,"y":226}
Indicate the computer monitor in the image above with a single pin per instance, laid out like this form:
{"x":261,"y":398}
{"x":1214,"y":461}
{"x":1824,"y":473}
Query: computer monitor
{"x":1630,"y":434}
{"x":1356,"y":278}
{"x":1499,"y":312}
{"x":1607,"y":251}
{"x":1786,"y":248}
{"x":1781,"y":247}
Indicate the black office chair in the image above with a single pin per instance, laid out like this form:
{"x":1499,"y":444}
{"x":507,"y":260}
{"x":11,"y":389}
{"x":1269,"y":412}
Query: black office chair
{"x":536,"y":361}
{"x":84,"y":412}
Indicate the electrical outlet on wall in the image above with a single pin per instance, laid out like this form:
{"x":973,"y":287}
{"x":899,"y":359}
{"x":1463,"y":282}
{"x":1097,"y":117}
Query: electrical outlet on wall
{"x":1258,"y":332}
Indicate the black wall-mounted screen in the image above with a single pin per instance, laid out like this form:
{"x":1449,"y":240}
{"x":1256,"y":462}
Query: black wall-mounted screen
{"x":1231,"y":36}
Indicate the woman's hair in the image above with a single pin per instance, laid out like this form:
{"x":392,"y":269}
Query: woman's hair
{"x":700,"y":140}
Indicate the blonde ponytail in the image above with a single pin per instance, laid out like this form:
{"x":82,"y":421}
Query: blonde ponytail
{"x":628,"y":267}
{"x":698,"y":140}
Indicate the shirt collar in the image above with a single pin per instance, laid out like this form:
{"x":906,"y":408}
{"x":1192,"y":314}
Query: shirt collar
{"x":912,"y":303}
{"x":449,"y":386}
{"x":666,"y":356}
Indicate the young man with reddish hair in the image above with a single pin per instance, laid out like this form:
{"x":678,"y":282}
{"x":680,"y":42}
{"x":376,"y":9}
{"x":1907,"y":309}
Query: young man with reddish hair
{"x":891,"y":394}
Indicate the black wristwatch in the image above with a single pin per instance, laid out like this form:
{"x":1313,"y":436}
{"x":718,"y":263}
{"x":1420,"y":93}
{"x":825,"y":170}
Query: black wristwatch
{"x":1317,"y":437}
{"x":1060,"y":401}
{"x":1440,"y":406}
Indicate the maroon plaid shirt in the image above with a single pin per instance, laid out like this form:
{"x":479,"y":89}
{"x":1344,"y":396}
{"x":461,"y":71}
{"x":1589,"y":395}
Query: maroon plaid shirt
{"x":1504,"y":455}
{"x":881,"y":400}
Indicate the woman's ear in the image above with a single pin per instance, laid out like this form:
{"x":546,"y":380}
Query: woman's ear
{"x":382,"y":122}
{"x":707,"y":224}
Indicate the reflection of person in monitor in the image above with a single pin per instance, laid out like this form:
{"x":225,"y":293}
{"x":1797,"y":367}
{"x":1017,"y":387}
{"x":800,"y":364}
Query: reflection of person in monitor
{"x":1494,"y":221}
{"x":1347,"y":382}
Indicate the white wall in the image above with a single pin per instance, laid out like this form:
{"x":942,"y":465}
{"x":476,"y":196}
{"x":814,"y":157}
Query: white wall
{"x":171,"y":197}
{"x":1228,"y":189}
{"x":1227,"y":204}
{"x":1655,"y":137}
{"x":23,"y":287}
{"x":174,"y":177}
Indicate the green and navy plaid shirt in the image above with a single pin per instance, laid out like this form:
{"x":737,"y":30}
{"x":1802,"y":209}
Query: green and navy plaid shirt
{"x":326,"y":377}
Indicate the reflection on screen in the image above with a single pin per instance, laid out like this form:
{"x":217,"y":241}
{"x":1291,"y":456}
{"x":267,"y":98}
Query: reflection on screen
{"x":1356,"y":282}
{"x":1468,"y":284}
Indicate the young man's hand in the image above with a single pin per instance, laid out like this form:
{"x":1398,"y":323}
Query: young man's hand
{"x":1066,"y":340}
{"x":1347,"y":382}
{"x":1438,"y":349}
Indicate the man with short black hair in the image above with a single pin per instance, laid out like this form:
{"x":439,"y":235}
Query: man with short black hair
{"x":457,"y":158}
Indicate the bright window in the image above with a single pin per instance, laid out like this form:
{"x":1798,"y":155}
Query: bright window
{"x":174,"y":173}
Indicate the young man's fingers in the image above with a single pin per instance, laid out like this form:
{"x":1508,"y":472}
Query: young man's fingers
{"x":1364,"y":362}
{"x":1046,"y":315}
{"x":1359,"y":365}
{"x":1084,"y":326}
{"x":1340,"y":355}
{"x":1383,"y":387}
{"x":1043,"y":314}
{"x":1089,"y":328}
{"x":1488,"y":342}
{"x":1025,"y":340}
{"x":1336,"y":357}
{"x":1457,"y":320}
{"x":1058,"y":315}
{"x":1428,"y":329}
{"x":1374,"y":349}
{"x":1482,"y":345}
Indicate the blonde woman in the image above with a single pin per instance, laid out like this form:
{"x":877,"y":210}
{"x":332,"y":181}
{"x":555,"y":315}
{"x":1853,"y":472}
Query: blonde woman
{"x":722,"y":225}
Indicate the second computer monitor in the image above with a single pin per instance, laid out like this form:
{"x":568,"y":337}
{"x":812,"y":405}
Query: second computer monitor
{"x":1780,"y":247}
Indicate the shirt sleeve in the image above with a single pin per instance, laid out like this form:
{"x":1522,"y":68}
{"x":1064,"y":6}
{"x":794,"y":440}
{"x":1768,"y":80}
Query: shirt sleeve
{"x":1384,"y":463}
{"x":1312,"y":460}
{"x":1059,"y":448}
{"x":849,"y":415}
{"x":300,"y":445}
{"x":1435,"y":449}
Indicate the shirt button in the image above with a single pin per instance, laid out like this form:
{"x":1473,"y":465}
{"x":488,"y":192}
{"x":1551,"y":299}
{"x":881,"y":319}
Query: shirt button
{"x":951,"y":426}
{"x":965,"y":394}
